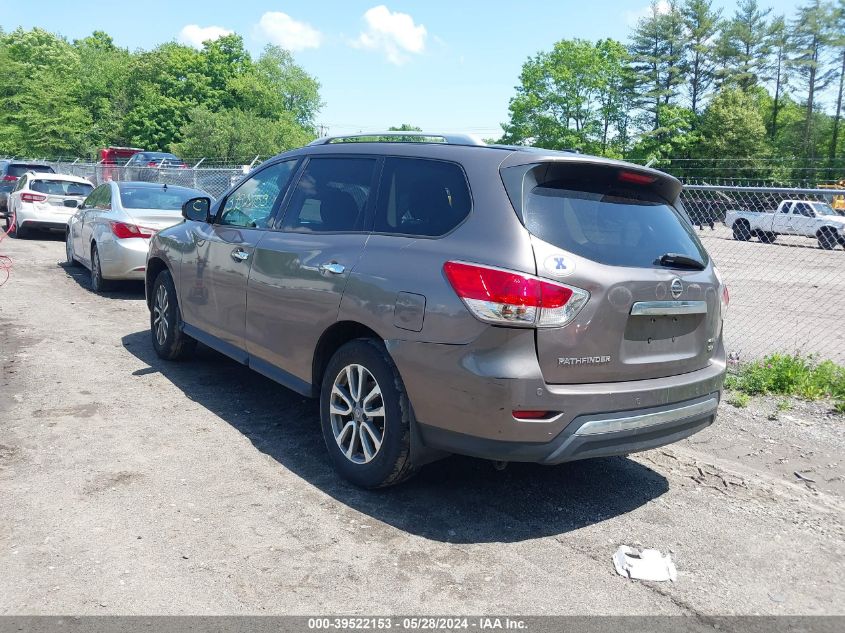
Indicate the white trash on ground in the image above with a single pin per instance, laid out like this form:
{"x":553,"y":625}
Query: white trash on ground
{"x":648,"y":564}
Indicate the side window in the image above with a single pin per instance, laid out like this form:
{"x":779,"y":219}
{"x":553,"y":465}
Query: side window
{"x":787,"y":208}
{"x":331,"y":195}
{"x":421,"y":197}
{"x":251,"y":204}
{"x":21,"y":183}
{"x":104,"y":200}
{"x":804,"y":209}
{"x":91,"y":200}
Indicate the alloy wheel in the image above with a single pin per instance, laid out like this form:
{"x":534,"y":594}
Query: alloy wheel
{"x":160,"y":315}
{"x":357,"y":414}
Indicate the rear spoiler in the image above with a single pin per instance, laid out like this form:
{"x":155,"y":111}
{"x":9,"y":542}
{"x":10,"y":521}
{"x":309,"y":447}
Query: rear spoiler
{"x":587,"y":175}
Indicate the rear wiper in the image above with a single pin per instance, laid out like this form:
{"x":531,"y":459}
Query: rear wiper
{"x":676,"y":260}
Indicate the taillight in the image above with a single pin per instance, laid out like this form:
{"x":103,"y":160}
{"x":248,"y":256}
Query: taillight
{"x":636,"y":178}
{"x":509,"y":298}
{"x":33,"y":197}
{"x":152,"y":163}
{"x":8,"y":178}
{"x":122,"y":230}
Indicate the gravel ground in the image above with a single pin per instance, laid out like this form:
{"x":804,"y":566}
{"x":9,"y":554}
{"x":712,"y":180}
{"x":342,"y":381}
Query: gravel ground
{"x":134,"y":486}
{"x":785,"y":296}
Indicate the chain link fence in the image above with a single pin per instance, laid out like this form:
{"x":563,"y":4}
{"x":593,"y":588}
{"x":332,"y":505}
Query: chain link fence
{"x":787,"y":286}
{"x":780,"y":253}
{"x":213,"y":180}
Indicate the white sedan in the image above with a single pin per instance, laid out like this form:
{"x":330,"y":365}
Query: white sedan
{"x":109,"y":234}
{"x":44,"y":201}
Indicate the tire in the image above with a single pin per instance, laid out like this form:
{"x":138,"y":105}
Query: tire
{"x":98,"y":284}
{"x":768,"y":238}
{"x":827,"y":239}
{"x":71,"y":260}
{"x":742,"y":231}
{"x":356,"y":453}
{"x":169,"y":341}
{"x":15,"y":230}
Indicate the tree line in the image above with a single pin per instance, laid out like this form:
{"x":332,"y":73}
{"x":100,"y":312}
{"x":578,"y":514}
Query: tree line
{"x":694,"y":88}
{"x":62,"y":98}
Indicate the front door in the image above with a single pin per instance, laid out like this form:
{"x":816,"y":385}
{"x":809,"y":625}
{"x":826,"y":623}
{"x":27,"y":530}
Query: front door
{"x":216,"y":266}
{"x":299,"y":272}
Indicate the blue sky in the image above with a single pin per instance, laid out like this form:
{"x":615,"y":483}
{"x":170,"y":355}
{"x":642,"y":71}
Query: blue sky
{"x":442,"y":65}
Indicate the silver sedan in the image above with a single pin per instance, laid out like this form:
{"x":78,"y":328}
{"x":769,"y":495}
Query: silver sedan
{"x":109,"y":234}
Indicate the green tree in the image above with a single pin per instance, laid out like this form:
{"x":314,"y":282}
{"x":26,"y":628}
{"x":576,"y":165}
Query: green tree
{"x":779,"y":42}
{"x":274,"y":84}
{"x":238,"y":135}
{"x":40,"y":92}
{"x":569,"y":97}
{"x":104,"y":78}
{"x":812,"y":37}
{"x":702,"y":23}
{"x":657,"y":52}
{"x":838,"y":43}
{"x":744,"y":45}
{"x":732,"y":126}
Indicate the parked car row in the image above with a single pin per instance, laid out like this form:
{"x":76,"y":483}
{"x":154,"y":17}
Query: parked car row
{"x":436,"y":297}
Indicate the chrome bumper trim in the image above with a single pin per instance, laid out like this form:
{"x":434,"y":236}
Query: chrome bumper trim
{"x":629,"y":423}
{"x":664,"y":308}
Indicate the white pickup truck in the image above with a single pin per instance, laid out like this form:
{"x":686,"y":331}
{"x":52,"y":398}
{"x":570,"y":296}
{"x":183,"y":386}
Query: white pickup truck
{"x":793,"y":217}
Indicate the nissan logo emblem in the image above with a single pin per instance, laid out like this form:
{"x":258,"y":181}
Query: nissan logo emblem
{"x":677,"y":288}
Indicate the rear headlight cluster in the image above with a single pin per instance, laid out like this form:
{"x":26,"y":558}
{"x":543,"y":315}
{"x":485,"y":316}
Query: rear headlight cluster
{"x":123,"y":230}
{"x":505,"y":297}
{"x":33,"y":197}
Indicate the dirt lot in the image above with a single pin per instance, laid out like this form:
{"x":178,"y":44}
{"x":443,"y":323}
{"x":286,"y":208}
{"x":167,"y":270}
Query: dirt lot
{"x":133,"y":486}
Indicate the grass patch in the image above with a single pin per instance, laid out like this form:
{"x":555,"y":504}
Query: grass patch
{"x":739,"y":400}
{"x":791,"y":375}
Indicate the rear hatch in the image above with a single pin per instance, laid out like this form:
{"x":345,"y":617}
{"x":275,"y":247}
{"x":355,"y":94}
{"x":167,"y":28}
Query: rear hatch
{"x":63,"y":196}
{"x":654,"y":307}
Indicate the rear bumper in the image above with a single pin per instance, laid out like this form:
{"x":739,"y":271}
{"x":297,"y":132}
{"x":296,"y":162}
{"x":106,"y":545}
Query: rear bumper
{"x":464,"y":395}
{"x":124,"y":259}
{"x":34,"y":216}
{"x":639,"y":430}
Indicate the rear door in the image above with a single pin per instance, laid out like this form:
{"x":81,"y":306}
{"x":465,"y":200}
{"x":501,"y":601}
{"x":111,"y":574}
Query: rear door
{"x":300,"y":271}
{"x":606,"y":230}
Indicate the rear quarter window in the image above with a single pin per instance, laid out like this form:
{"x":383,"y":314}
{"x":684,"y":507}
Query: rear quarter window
{"x":615,"y":227}
{"x":421,"y":197}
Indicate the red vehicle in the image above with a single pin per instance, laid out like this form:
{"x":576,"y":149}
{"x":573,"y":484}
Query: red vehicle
{"x":112,"y":158}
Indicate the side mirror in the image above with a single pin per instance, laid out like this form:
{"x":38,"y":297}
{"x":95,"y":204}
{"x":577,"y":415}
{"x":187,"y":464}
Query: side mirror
{"x":197,"y":209}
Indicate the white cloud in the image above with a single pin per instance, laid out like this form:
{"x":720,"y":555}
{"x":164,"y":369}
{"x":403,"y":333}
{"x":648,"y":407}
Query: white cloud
{"x":281,"y":29}
{"x":633,"y":17}
{"x":194,"y":34}
{"x":394,"y":33}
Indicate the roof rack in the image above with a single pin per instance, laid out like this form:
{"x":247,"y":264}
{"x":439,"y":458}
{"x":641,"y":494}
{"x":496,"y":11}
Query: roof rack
{"x":401,"y":137}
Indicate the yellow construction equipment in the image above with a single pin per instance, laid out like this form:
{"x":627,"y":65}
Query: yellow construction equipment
{"x":837,"y":202}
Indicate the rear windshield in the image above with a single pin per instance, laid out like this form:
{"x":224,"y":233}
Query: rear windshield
{"x":61,"y":187}
{"x":20,"y":170}
{"x":614,"y":227}
{"x":151,"y":198}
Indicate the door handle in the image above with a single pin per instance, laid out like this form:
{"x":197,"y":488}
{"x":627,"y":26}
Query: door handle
{"x":240,"y":255}
{"x":332,"y":267}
